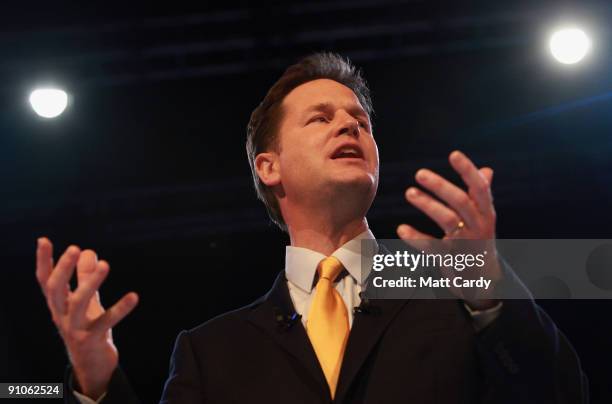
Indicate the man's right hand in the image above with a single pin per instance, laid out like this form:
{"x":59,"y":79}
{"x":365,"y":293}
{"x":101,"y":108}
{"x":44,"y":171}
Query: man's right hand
{"x":82,"y":322}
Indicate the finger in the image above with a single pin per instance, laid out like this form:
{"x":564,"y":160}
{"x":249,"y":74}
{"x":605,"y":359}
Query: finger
{"x":478,"y":188}
{"x":445,"y":217}
{"x":413,"y":237}
{"x":86,"y":265}
{"x":81,"y":298}
{"x":44,"y":262}
{"x":488,"y":174}
{"x":406,"y":232}
{"x":116,"y":313}
{"x":454,"y":196}
{"x":57,"y":285}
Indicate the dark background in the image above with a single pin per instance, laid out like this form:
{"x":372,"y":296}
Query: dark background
{"x":147,"y":165}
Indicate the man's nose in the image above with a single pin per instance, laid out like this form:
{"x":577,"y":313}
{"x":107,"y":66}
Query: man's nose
{"x":350,"y":126}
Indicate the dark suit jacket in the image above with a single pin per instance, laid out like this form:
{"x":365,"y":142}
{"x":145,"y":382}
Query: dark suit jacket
{"x":398,"y":351}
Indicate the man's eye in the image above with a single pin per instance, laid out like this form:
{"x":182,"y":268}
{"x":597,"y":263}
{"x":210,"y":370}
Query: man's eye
{"x":319,"y":119}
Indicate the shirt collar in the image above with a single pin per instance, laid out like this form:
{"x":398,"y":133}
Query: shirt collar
{"x":301,"y":263}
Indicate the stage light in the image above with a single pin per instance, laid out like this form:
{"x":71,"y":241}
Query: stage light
{"x":48,"y":102}
{"x":569,"y":45}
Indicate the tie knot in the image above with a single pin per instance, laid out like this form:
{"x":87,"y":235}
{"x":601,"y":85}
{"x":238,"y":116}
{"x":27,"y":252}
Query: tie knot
{"x":329,"y":268}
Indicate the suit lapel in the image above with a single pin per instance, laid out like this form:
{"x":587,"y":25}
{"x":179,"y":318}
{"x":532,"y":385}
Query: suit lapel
{"x":276,"y":316}
{"x":368,"y":327}
{"x":367,"y":330}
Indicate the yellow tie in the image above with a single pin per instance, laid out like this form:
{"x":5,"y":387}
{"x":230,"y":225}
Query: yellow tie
{"x":327,"y":323}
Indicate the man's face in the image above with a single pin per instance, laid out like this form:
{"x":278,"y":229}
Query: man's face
{"x":326,"y":142}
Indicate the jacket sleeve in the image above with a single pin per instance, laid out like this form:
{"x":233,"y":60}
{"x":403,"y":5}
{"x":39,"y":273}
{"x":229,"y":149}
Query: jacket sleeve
{"x":119,"y":389}
{"x":184,"y":381}
{"x":181,"y":387}
{"x":525,"y":358}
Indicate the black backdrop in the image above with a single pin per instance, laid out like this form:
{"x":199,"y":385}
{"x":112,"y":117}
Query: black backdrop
{"x":148,"y":167}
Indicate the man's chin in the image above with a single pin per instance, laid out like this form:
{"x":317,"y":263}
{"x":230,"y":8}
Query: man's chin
{"x":358,"y":179}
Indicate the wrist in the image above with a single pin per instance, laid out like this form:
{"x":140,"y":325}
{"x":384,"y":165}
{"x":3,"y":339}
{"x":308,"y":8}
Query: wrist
{"x":92,"y":387}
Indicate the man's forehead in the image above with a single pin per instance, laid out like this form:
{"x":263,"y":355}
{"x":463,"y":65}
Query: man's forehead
{"x":319,"y":92}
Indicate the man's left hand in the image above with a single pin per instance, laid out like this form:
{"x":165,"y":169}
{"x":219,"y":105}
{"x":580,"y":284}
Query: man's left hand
{"x":463,"y":215}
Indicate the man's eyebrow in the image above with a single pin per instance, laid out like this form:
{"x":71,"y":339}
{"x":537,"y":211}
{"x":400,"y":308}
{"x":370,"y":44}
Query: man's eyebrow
{"x":320,"y":107}
{"x":353,"y":109}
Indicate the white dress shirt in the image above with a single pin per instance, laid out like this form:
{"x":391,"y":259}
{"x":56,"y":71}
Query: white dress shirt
{"x":301,"y":270}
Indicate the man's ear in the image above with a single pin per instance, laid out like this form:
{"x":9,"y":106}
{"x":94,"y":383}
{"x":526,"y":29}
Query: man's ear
{"x":268,"y":169}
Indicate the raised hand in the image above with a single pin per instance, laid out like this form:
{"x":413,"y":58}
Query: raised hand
{"x":460,"y":214}
{"x":83,"y":323}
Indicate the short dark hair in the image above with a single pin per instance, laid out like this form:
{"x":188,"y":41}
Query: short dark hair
{"x":262,"y":130}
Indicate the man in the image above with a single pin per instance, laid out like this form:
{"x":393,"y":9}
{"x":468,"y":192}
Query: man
{"x":315,"y":165}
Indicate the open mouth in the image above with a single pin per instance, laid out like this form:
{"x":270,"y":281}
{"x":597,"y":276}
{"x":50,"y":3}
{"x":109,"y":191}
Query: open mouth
{"x":347,"y":152}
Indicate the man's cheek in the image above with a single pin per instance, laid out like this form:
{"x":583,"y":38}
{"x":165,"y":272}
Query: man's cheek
{"x":298,"y":163}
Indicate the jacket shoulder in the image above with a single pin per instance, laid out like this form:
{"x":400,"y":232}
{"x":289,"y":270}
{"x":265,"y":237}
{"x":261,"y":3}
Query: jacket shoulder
{"x":223,"y":324}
